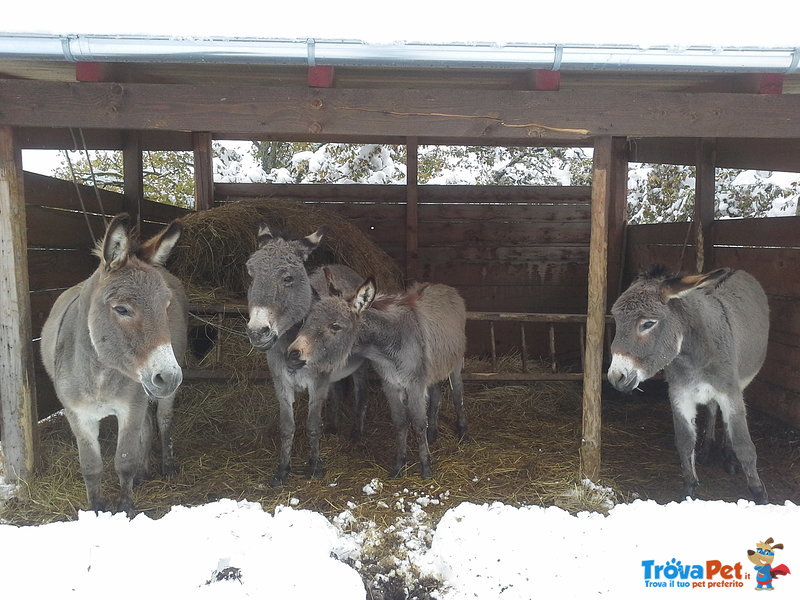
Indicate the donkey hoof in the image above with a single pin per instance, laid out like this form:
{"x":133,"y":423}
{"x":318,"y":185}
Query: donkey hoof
{"x":315,"y":469}
{"x":690,"y":490}
{"x":355,"y":436}
{"x":759,"y":495}
{"x":426,"y":471}
{"x":331,"y":429}
{"x":397,"y":470}
{"x":127,"y":507}
{"x":98,"y":506}
{"x":280,"y":478}
{"x":464,"y":437}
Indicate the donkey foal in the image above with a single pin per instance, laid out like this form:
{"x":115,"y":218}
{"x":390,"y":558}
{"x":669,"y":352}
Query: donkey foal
{"x":413,"y":340}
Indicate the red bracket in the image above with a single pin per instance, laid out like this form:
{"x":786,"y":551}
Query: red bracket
{"x":321,"y":76}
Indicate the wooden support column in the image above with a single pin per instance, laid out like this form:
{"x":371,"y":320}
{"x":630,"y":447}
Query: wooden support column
{"x":17,"y":382}
{"x":412,"y":211}
{"x":203,"y":171}
{"x":595,"y":317}
{"x":704,"y":191}
{"x":617,"y":216}
{"x":133,"y":174}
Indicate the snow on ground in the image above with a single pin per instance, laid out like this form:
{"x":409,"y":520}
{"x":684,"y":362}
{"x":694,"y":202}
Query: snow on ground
{"x":229,"y":549}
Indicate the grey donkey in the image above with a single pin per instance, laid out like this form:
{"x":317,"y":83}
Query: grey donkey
{"x":279,"y":298}
{"x":413,"y":340}
{"x":112,"y":344}
{"x":709,"y":334}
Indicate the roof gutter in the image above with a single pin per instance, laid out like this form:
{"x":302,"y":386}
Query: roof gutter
{"x":312,"y":52}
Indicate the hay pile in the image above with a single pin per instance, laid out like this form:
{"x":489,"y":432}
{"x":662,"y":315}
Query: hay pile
{"x":216,"y":243}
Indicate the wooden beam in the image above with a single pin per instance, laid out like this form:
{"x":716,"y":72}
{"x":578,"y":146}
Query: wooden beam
{"x":203,"y":171}
{"x":412,"y":211}
{"x":17,"y":379}
{"x":704,"y":191}
{"x":595,"y":318}
{"x":481,"y":113}
{"x":133,"y":174}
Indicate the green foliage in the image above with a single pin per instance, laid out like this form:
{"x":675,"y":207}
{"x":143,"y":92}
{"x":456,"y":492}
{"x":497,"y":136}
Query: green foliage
{"x":168,"y":176}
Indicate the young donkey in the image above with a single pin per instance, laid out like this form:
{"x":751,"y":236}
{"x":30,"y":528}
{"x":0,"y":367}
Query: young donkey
{"x":279,"y":298}
{"x":413,"y":340}
{"x":709,"y":334}
{"x":113,"y":343}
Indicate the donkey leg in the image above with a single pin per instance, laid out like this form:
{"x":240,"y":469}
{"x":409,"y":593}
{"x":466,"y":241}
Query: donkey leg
{"x":360,"y":399}
{"x":332,"y":406}
{"x":684,"y":413}
{"x":284,"y":392}
{"x":396,"y":398}
{"x":733,"y":412}
{"x":164,"y":415}
{"x":434,"y":405}
{"x":86,"y":433}
{"x":317,"y":393}
{"x":457,"y":382}
{"x":135,"y":433}
{"x":706,"y":447}
{"x":418,"y":415}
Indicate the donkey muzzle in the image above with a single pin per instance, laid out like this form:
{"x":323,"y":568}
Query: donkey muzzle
{"x":623,"y":374}
{"x":262,"y":338}
{"x":293,"y":360}
{"x":162,"y":376}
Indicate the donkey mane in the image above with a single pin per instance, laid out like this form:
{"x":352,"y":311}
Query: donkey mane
{"x":407,"y":299}
{"x":657,"y":271}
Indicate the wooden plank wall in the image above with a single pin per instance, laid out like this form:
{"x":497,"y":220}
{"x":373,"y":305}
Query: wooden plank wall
{"x":770,"y":250}
{"x":60,"y":247}
{"x":515,"y":249}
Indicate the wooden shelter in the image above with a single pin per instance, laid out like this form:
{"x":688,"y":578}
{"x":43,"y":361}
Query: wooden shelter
{"x":536,"y":255}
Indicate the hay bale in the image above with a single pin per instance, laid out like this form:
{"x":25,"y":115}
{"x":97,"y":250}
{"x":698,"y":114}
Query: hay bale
{"x":216,"y":243}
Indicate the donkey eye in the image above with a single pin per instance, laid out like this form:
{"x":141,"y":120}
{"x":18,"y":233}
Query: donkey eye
{"x":288,"y":279}
{"x":122,"y":310}
{"x":647,"y":325}
{"x":334,"y":327}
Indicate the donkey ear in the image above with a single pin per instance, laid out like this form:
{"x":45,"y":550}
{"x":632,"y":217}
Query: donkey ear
{"x":311,"y":242}
{"x":117,"y":243}
{"x":157,"y":249}
{"x":364,"y":296}
{"x":332,"y":289}
{"x":678,"y":287}
{"x":264,"y":234}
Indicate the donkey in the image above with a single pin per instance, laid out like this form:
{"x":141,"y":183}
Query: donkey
{"x":413,"y":340}
{"x":113,"y":343}
{"x":279,"y":298}
{"x":709,"y":335}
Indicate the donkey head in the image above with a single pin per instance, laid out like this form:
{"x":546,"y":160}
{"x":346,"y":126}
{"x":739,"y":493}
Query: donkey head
{"x":280,"y":293}
{"x":128,"y":321}
{"x":650,"y":323}
{"x":331,"y":329}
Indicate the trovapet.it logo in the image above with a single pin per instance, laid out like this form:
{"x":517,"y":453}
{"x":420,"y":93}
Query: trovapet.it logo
{"x":717,"y":574}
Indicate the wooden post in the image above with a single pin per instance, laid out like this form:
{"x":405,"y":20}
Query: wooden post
{"x":704,"y":190}
{"x":596,"y":309}
{"x":203,"y":171}
{"x":133,"y":174}
{"x":412,"y":211}
{"x":617,"y":217}
{"x":17,"y":381}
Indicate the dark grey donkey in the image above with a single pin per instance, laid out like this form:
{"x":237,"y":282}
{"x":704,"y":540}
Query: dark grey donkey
{"x":113,"y":343}
{"x":279,"y":298}
{"x":709,"y":334}
{"x":413,"y":340}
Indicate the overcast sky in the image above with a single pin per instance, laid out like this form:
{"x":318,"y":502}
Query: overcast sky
{"x":766,"y":23}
